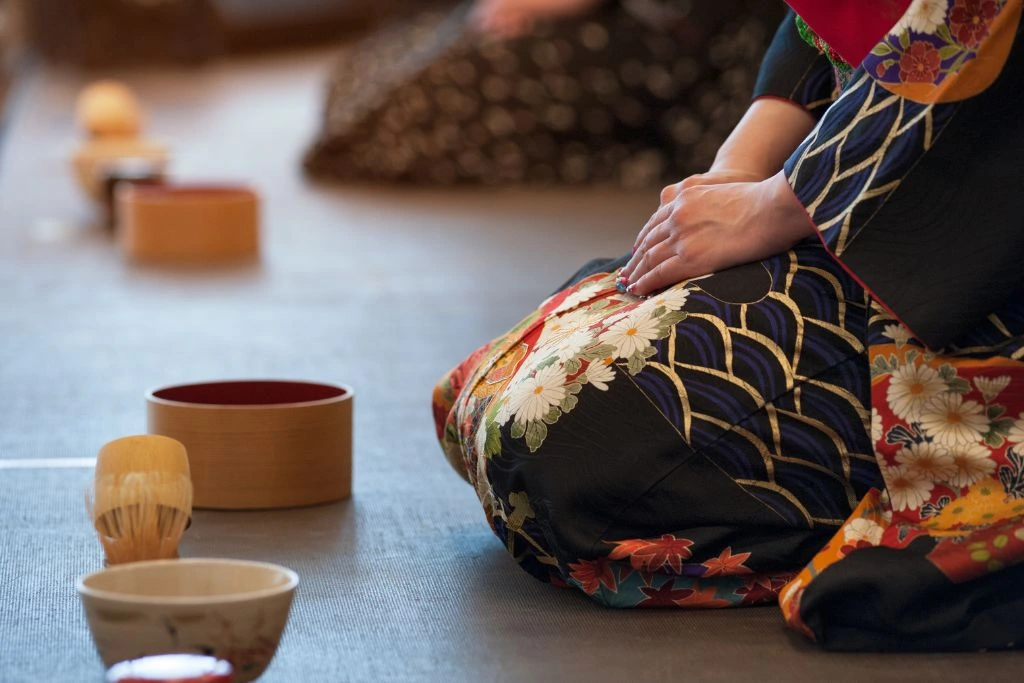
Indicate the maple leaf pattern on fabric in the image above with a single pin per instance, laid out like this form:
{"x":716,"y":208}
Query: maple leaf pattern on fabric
{"x":703,"y":598}
{"x":652,"y":555}
{"x":727,"y":564}
{"x":763,"y":588}
{"x":666,"y":595}
{"x":592,"y":574}
{"x":755,"y":593}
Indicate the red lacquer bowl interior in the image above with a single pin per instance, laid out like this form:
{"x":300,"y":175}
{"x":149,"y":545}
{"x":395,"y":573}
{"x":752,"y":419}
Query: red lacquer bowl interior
{"x":249,"y":393}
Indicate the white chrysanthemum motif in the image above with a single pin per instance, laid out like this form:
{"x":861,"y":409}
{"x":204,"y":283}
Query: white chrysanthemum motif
{"x":990,"y":387}
{"x":876,"y":426}
{"x":910,"y":387}
{"x":863,"y":529}
{"x":923,"y":16}
{"x":631,"y":334}
{"x":559,"y":327}
{"x":897,"y":333}
{"x":672,"y":299}
{"x":579,"y":296}
{"x":600,"y":373}
{"x":973,"y":462}
{"x":568,"y":347}
{"x":621,"y":314}
{"x":907,"y":491}
{"x":927,"y":461}
{"x":531,"y":398}
{"x":1016,"y":433}
{"x":951,"y":421}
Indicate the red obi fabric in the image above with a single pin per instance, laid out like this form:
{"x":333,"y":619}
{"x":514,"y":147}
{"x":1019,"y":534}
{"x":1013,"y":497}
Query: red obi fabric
{"x":850,"y":27}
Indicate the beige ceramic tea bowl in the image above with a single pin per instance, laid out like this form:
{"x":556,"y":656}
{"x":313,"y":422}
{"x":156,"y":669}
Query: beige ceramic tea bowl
{"x":231,"y":609}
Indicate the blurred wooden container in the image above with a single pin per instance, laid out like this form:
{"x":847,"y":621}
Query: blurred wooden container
{"x":187,"y":223}
{"x":257,"y":444}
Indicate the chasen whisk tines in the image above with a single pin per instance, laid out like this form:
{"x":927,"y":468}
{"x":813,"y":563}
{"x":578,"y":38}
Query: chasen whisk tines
{"x":141,"y":502}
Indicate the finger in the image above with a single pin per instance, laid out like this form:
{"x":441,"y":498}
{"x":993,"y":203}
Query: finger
{"x":667,"y":272}
{"x":650,"y":259}
{"x":670,"y":192}
{"x":657,"y":235}
{"x":656,"y":218}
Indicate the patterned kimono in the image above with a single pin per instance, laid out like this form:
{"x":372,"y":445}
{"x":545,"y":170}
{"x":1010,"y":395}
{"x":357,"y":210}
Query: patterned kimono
{"x":635,"y":93}
{"x":835,"y":427}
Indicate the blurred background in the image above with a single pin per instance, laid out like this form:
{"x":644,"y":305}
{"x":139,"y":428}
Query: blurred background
{"x":101,"y":33}
{"x":635,"y":93}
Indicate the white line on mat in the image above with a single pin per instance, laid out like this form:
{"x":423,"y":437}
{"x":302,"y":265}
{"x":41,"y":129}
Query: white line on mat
{"x":45,"y":463}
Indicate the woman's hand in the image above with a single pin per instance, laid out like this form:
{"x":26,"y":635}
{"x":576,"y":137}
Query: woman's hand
{"x":702,"y":229}
{"x":742,"y":210}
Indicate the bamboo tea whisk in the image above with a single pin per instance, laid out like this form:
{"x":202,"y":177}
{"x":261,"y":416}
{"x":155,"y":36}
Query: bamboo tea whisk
{"x":142,"y":498}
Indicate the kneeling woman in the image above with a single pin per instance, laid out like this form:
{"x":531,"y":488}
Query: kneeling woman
{"x":833,"y":415}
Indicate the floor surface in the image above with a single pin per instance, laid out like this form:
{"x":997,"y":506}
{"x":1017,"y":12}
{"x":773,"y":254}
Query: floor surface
{"x":381,"y":289}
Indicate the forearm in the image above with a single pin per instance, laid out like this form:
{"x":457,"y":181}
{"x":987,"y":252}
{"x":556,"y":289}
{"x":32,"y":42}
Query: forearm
{"x":793,"y":87}
{"x":764,"y":138}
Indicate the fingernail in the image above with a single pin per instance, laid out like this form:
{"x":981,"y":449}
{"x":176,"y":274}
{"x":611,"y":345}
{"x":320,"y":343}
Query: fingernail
{"x":632,"y":288}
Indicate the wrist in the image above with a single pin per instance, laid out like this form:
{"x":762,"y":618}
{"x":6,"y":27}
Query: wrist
{"x":737,"y":156}
{"x":743,"y":169}
{"x":789,"y":220}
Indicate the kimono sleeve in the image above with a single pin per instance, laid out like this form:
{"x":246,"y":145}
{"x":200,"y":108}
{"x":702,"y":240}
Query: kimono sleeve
{"x":923,"y":202}
{"x":795,"y":71}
